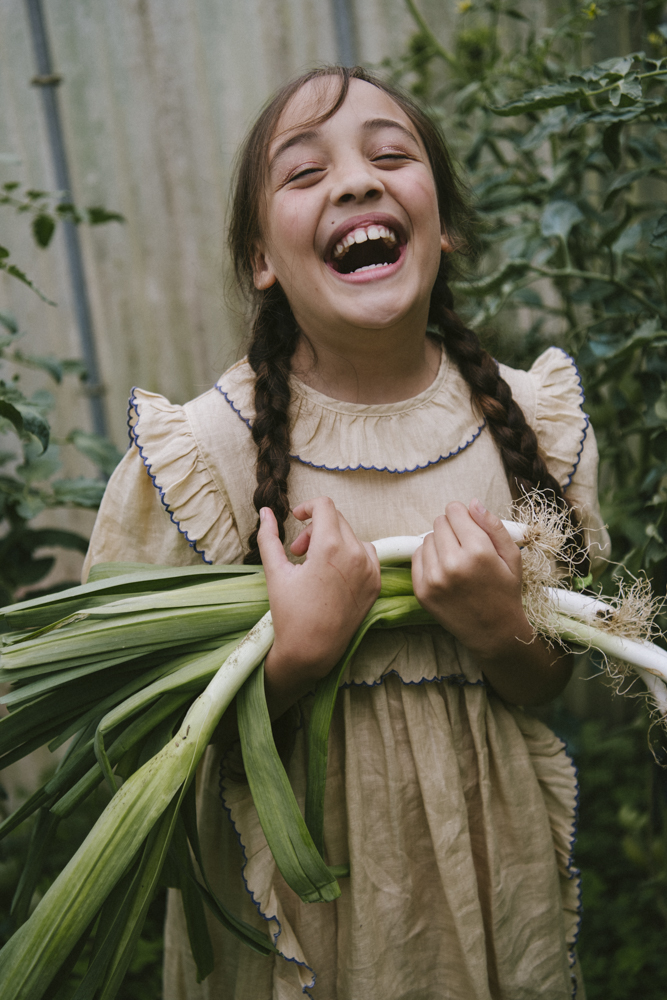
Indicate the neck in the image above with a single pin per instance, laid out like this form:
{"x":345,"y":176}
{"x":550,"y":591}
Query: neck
{"x":368,"y":366}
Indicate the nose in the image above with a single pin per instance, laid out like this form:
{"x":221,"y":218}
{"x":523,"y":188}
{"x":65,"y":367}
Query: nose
{"x":356,"y":184}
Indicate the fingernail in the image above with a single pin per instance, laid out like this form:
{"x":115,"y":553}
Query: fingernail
{"x":479,"y":507}
{"x":262,"y":513}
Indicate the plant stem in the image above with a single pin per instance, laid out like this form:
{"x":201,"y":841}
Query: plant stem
{"x":423,"y":26}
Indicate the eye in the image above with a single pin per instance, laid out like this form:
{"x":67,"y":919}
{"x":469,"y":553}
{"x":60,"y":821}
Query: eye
{"x":304,"y":173}
{"x":391,"y":157}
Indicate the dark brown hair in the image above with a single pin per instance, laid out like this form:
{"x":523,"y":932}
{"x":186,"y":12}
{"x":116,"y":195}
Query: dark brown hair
{"x":275,"y":333}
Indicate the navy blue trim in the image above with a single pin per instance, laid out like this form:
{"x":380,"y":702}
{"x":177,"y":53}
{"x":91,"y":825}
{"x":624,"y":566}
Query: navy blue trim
{"x":361,"y":467}
{"x":398,"y":472}
{"x":587,"y":422}
{"x":441,"y":458}
{"x":134,"y":439}
{"x":130,"y":407}
{"x":234,"y":408}
{"x":459,"y":679}
{"x":256,"y":902}
{"x":572,"y":871}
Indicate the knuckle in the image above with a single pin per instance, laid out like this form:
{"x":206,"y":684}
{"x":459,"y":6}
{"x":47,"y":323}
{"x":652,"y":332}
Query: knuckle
{"x":455,"y":506}
{"x":437,"y":578}
{"x":329,"y":549}
{"x":478,"y":555}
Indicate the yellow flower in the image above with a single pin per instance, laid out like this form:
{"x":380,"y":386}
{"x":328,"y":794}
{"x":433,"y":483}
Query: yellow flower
{"x":592,"y":11}
{"x":655,"y":38}
{"x":464,"y":5}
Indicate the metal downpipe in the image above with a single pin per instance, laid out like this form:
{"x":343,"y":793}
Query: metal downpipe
{"x":47,"y":81}
{"x":346,"y":43}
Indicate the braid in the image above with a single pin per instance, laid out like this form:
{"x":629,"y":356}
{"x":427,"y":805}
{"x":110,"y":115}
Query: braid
{"x":274,"y":340}
{"x":525,"y":468}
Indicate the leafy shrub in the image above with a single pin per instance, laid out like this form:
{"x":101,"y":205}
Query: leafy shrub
{"x":567,"y":159}
{"x":621,"y":845}
{"x":29,"y":460}
{"x":567,"y":163}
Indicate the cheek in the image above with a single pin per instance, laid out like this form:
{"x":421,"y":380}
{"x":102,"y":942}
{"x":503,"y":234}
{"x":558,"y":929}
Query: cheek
{"x":289,"y":229}
{"x":426,"y":200}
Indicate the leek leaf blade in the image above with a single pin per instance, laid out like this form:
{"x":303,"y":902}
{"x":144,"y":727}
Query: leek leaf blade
{"x":300,"y":863}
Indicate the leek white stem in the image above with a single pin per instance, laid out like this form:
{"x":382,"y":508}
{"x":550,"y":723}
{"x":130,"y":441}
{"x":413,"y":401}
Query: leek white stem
{"x":403,"y":547}
{"x":656,"y":687}
{"x":575,"y":618}
{"x":637,"y":653}
{"x":571,"y":602}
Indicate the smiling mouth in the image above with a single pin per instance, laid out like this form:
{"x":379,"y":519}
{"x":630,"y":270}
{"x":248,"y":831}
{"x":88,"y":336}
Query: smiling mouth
{"x":364,"y":249}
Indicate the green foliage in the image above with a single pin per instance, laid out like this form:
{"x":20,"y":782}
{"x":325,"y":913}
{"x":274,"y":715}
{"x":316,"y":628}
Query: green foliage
{"x":47,"y":208}
{"x":29,"y":459}
{"x":566,"y":158}
{"x":567,"y":161}
{"x":20,"y":275}
{"x":29,"y":464}
{"x":621,"y":851}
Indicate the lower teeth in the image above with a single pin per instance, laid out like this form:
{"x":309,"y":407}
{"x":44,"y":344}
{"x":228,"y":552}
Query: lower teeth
{"x":370,"y":267}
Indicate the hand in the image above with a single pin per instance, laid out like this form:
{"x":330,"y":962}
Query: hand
{"x":467,"y":574}
{"x":317,"y":605}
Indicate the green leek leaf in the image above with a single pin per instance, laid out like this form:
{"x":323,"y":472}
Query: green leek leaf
{"x":287,"y":835}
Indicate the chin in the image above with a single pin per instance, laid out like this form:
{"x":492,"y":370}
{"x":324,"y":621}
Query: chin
{"x":378,"y":312}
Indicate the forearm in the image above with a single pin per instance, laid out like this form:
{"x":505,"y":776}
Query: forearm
{"x":287,"y":678}
{"x":527,"y":671}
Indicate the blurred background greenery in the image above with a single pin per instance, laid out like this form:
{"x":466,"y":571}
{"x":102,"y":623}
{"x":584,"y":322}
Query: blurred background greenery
{"x":562,"y":137}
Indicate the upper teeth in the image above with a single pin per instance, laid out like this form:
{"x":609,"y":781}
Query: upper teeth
{"x":361,"y":235}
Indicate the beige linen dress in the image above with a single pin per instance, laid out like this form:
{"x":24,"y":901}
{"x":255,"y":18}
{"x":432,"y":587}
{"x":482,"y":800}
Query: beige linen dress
{"x":455,"y":811}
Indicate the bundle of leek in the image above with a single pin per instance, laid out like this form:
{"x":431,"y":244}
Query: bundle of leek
{"x":112,"y":666}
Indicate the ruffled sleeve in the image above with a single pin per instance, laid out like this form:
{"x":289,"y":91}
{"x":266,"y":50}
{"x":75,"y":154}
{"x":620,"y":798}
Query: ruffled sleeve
{"x":162,"y":504}
{"x":552,"y":398}
{"x":561,"y":424}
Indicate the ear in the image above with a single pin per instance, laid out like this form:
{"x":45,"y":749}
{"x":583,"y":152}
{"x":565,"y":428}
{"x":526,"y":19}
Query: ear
{"x":446,"y":244}
{"x":263,"y":274}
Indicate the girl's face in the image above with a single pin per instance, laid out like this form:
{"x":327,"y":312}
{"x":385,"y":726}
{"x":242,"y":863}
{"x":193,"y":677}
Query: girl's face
{"x":350,"y":222}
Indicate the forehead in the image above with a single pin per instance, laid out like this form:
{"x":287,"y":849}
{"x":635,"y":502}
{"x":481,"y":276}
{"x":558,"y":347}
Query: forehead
{"x":363,"y":102}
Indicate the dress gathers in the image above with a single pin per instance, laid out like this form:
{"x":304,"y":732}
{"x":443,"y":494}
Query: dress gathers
{"x":455,"y":811}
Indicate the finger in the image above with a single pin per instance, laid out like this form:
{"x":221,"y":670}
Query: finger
{"x":418,"y":562}
{"x":444,"y":542}
{"x":464,"y":527}
{"x":300,"y":512}
{"x":347,"y":533}
{"x":270,"y":547}
{"x":372,"y":554}
{"x":324,"y":516}
{"x":325,"y":528}
{"x":301,"y":543}
{"x":323,"y":506}
{"x":500,"y":537}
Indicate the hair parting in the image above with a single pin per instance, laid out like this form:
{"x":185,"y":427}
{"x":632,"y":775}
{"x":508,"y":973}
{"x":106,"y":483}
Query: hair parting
{"x":275,"y":334}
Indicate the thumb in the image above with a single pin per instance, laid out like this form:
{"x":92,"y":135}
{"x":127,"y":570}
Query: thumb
{"x":496,"y":530}
{"x":268,"y":540}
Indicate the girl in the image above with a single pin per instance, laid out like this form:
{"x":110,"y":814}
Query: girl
{"x":366,"y":408}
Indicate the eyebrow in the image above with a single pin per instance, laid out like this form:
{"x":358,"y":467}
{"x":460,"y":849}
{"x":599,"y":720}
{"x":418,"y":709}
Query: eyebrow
{"x":372,"y":125}
{"x":294,"y":140}
{"x":375,"y":124}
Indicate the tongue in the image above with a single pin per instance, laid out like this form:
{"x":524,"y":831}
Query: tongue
{"x":363,"y":254}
